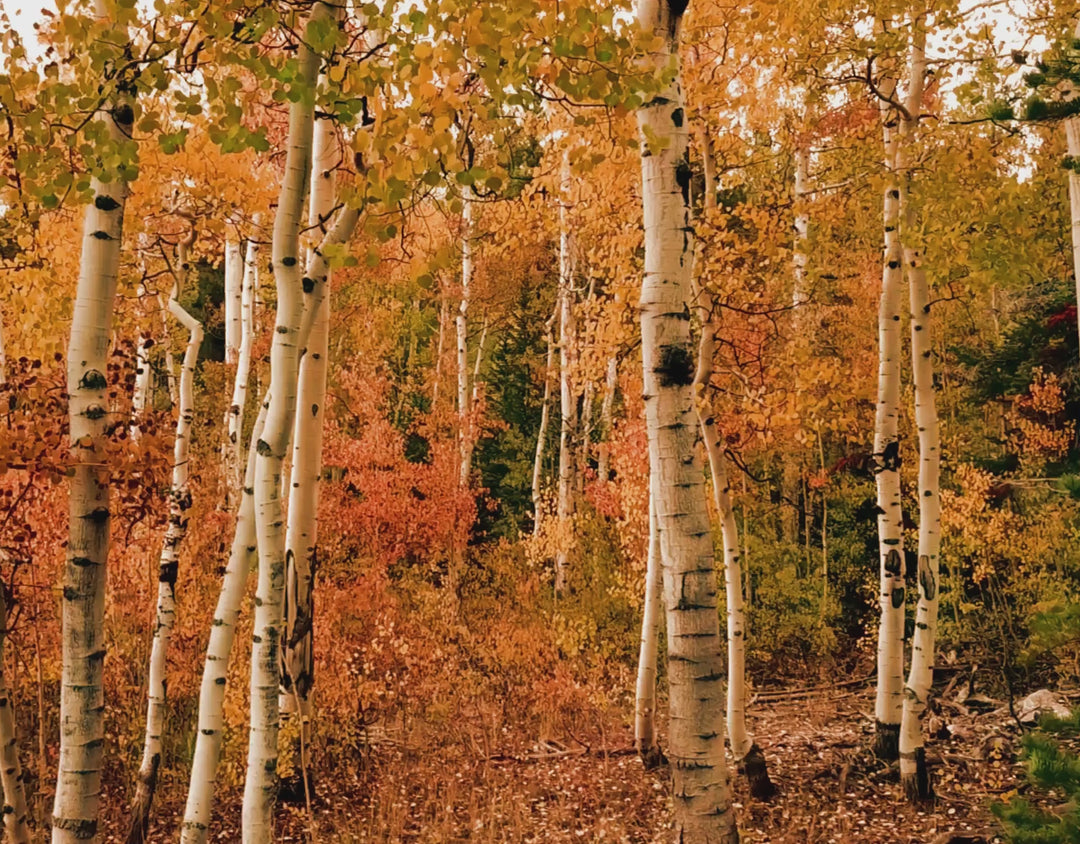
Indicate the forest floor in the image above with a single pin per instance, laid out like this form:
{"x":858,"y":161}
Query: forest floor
{"x":831,"y":789}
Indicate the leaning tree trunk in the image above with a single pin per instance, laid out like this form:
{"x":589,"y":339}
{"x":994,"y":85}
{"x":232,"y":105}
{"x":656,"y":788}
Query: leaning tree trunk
{"x":301,"y":533}
{"x":260,"y":785}
{"x":235,"y":416}
{"x":15,"y":812}
{"x":242,"y":558}
{"x":703,"y":810}
{"x":890,"y":652}
{"x":645,"y":741}
{"x":179,"y":503}
{"x":565,"y":505}
{"x":744,"y":749}
{"x":914,"y":775}
{"x":82,"y":701}
{"x":542,"y":433}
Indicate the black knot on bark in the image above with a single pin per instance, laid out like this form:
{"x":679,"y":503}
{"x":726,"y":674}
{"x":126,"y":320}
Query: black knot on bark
{"x":682,"y":177}
{"x":309,"y":284}
{"x":93,"y":380}
{"x":124,"y":115}
{"x":102,"y":202}
{"x":676,"y":367}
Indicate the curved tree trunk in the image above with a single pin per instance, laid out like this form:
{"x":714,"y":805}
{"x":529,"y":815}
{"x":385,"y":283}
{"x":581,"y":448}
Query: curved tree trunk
{"x":301,"y":533}
{"x":648,"y":747}
{"x":260,"y":784}
{"x":890,"y":652}
{"x":914,"y":775}
{"x":568,"y":409}
{"x":242,"y":559}
{"x":82,"y":702}
{"x":541,"y":435}
{"x":703,"y":810}
{"x":179,"y":502}
{"x":15,"y":811}
{"x":744,"y":749}
{"x":235,"y":416}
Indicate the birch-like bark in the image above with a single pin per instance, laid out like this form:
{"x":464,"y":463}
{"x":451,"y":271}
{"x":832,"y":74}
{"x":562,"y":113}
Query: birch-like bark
{"x":645,"y":741}
{"x":234,"y":303}
{"x":1072,"y":140}
{"x":914,"y":775}
{"x":607,"y":420}
{"x":744,"y":749}
{"x":15,"y":811}
{"x":703,"y":811}
{"x":82,"y":701}
{"x":791,"y":471}
{"x":301,"y":533}
{"x":168,"y":563}
{"x":890,"y":653}
{"x":541,"y":435}
{"x":235,"y":416}
{"x":444,"y":310}
{"x":465,"y":444}
{"x":568,"y":409}
{"x":260,"y":785}
{"x":242,"y":559}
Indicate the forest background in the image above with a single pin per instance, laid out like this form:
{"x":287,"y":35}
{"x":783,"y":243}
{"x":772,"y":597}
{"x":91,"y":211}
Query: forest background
{"x":483,"y":494}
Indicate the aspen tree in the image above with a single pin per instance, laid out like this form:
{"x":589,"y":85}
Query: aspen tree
{"x":82,"y":703}
{"x":703,"y":810}
{"x":545,"y":417}
{"x":914,"y":775}
{"x":607,"y":425}
{"x":568,"y":408}
{"x":15,"y":811}
{"x":301,"y":531}
{"x":235,"y":414}
{"x":179,"y":503}
{"x":465,"y":444}
{"x":234,"y":304}
{"x":890,"y":652}
{"x":242,"y":558}
{"x":260,"y":784}
{"x":645,"y":692}
{"x":744,"y":749}
{"x":1072,"y":141}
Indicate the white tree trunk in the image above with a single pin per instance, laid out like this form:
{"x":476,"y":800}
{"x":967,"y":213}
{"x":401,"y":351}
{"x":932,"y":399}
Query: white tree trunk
{"x":15,"y":811}
{"x":465,"y":443}
{"x":645,"y":694}
{"x":890,"y":654}
{"x":744,"y":749}
{"x":82,"y":702}
{"x":703,"y":811}
{"x":179,"y":503}
{"x":914,"y":775}
{"x":541,"y":434}
{"x":301,"y":532}
{"x":1072,"y":140}
{"x":235,"y":416}
{"x":234,"y":304}
{"x":607,"y":420}
{"x":242,"y":559}
{"x":568,"y":421}
{"x":260,"y":784}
